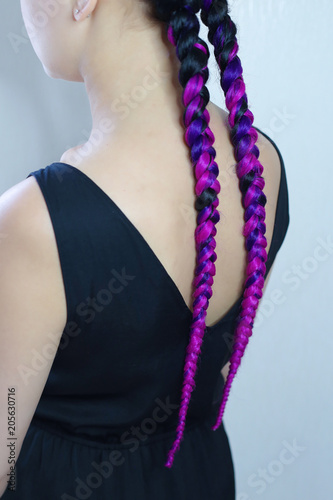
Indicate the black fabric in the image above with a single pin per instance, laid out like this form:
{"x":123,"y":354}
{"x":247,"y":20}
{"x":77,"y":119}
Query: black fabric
{"x":107,"y":416}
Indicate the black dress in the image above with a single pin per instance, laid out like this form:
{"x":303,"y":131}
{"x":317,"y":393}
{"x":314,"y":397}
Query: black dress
{"x":108,"y":413}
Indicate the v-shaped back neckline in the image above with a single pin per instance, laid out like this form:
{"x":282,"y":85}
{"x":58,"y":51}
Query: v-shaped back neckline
{"x":173,"y":285}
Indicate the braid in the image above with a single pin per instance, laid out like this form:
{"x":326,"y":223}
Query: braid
{"x":222,"y":35}
{"x":193,"y":54}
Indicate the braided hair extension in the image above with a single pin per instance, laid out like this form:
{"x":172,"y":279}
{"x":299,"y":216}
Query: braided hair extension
{"x":222,"y":35}
{"x":193,"y":53}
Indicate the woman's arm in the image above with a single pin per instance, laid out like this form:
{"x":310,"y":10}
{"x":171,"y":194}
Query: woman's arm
{"x":28,"y":312}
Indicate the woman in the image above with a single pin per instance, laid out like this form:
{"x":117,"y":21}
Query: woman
{"x":125,"y":242}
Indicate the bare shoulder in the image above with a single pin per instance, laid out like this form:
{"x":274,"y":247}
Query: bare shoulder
{"x":31,"y":303}
{"x":21,"y":208}
{"x":27,"y":233}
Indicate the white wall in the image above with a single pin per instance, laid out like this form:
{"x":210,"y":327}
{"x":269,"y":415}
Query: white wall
{"x":282,"y":393}
{"x":283,"y":390}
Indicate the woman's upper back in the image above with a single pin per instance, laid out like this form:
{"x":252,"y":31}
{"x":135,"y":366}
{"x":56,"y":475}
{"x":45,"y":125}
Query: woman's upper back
{"x":156,"y":192}
{"x":116,"y":240}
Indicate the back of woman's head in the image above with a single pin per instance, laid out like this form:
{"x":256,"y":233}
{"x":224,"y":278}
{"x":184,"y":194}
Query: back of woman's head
{"x":182,"y":25}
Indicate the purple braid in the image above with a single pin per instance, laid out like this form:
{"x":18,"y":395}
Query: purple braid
{"x":222,"y":35}
{"x":193,"y":53}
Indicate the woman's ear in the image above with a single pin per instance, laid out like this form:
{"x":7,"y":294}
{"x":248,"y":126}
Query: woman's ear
{"x":83,"y":9}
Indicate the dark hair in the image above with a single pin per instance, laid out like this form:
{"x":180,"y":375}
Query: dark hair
{"x":183,"y":32}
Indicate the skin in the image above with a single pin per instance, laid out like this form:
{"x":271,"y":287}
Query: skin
{"x":139,"y":157}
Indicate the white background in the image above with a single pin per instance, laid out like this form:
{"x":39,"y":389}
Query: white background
{"x":282,"y":394}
